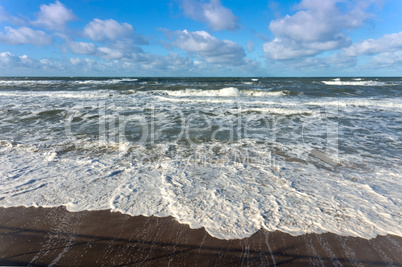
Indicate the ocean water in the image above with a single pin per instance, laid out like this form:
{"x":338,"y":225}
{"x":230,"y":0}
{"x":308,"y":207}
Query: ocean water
{"x":233,"y":155}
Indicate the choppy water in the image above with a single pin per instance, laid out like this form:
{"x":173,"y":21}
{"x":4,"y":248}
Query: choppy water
{"x":232,"y":155}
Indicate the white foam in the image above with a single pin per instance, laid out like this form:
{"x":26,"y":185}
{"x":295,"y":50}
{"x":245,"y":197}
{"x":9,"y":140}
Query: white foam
{"x":229,"y":91}
{"x":392,"y":104}
{"x":354,"y":83}
{"x":224,"y":92}
{"x":263,"y":93}
{"x":182,"y":99}
{"x":274,"y":110}
{"x":110,"y":81}
{"x":29,"y":82}
{"x":275,"y":174}
{"x":128,"y":80}
{"x":224,"y":189}
{"x":57,"y":94}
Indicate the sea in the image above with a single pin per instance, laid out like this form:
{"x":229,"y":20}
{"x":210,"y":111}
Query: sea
{"x":232,"y":155}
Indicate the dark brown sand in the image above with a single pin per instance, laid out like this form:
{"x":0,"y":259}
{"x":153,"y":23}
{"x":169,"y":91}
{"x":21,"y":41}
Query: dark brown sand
{"x":41,"y":236}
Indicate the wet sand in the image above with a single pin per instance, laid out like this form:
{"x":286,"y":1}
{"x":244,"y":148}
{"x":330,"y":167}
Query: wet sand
{"x":43,"y":236}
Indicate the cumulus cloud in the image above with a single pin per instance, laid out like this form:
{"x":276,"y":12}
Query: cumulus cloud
{"x":318,"y":26}
{"x":280,"y":49}
{"x":144,"y":64}
{"x":387,"y":43}
{"x":208,"y":47}
{"x":11,"y":64}
{"x":171,"y":62}
{"x":82,"y":48}
{"x":141,"y":64}
{"x":54,"y":16}
{"x":6,"y":58}
{"x":118,"y":39}
{"x":100,"y":30}
{"x":123,"y":49}
{"x":109,"y":53}
{"x":317,"y":20}
{"x":213,"y":13}
{"x":24,"y":35}
{"x":9,"y":61}
{"x":388,"y":59}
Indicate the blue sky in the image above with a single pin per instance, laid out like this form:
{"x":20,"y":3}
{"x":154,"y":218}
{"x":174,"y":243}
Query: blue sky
{"x":201,"y":38}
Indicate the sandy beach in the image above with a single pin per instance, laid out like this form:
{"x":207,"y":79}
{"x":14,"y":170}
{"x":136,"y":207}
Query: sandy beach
{"x":43,"y":236}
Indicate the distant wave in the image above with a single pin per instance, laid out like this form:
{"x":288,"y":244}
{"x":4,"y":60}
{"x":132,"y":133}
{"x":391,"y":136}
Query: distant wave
{"x":29,"y":82}
{"x":33,"y":82}
{"x":355,"y":82}
{"x":111,"y":81}
{"x":224,"y":92}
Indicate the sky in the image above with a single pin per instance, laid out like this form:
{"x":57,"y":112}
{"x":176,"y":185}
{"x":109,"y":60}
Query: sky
{"x":195,"y":38}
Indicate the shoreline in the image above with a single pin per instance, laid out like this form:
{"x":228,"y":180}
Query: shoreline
{"x":43,"y":236}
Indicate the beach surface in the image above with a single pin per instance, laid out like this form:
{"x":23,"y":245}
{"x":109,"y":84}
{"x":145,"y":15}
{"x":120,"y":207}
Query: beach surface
{"x":55,"y":236}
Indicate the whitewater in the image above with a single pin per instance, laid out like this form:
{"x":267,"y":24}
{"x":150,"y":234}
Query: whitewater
{"x":232,"y":155}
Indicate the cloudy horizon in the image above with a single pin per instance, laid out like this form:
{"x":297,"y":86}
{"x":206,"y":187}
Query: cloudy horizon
{"x":201,"y":38}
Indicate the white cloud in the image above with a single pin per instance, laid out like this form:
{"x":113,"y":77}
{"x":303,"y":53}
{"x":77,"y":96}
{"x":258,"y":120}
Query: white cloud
{"x":250,"y":46}
{"x":334,"y":62}
{"x":7,"y":58}
{"x":318,"y":26}
{"x":5,"y":16}
{"x":123,"y":49}
{"x":387,"y":43}
{"x":12,"y":65}
{"x":24,"y":35}
{"x":82,"y":48}
{"x":119,"y":39}
{"x":54,"y":16}
{"x":75,"y":61}
{"x":314,"y":66}
{"x":100,"y":30}
{"x":86,"y":65}
{"x":171,"y":62}
{"x":388,"y":59}
{"x":109,"y":53}
{"x":141,"y":64}
{"x":217,"y":16}
{"x":209,"y":48}
{"x":286,"y":49}
{"x":9,"y":61}
{"x":318,"y":20}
